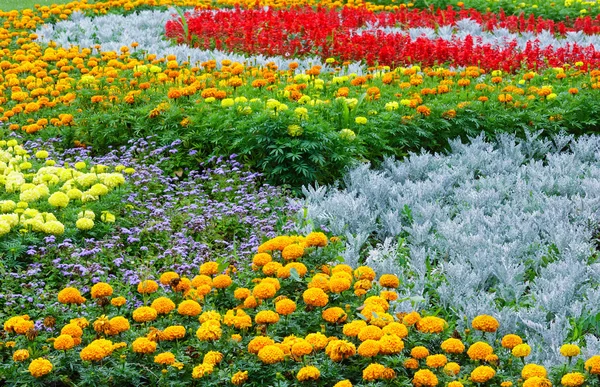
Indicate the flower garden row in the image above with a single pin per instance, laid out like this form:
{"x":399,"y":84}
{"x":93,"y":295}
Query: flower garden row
{"x":290,"y":318}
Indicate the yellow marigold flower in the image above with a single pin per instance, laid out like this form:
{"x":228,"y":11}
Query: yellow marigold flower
{"x":343,"y":383}
{"x":373,"y":371}
{"x":569,"y":350}
{"x":342,"y":268}
{"x":479,"y":350}
{"x":436,"y":361}
{"x":339,"y":284}
{"x":315,"y":297}
{"x":531,"y":370}
{"x":455,"y":383}
{"x":64,"y":342}
{"x":239,"y":378}
{"x":201,"y":279}
{"x":264,"y":290}
{"x":485,"y":323}
{"x":166,"y":358}
{"x":250,"y":302}
{"x":510,"y":341}
{"x":389,"y":281}
{"x":163,"y":305}
{"x":411,"y":319}
{"x":59,"y":199}
{"x":334,"y":315}
{"x":277,"y":243}
{"x":317,"y":340}
{"x":308,"y":373}
{"x":209,"y":331}
{"x":452,"y":368}
{"x":452,"y":345}
{"x":258,"y":343}
{"x":482,"y":374}
{"x":316,"y":239}
{"x":370,"y":332}
{"x":431,"y":324}
{"x":301,"y":348}
{"x":338,"y":350}
{"x":376,"y":300}
{"x":592,"y":365}
{"x":266,"y":317}
{"x":20,"y":355}
{"x":84,"y":224}
{"x":537,"y":382}
{"x":574,"y":379}
{"x":397,"y":329}
{"x":96,"y":350}
{"x":147,"y":287}
{"x":144,"y":314}
{"x":364,"y":273}
{"x":189,"y":308}
{"x":425,"y":378}
{"x":118,"y":301}
{"x":411,"y":364}
{"x":101,"y":289}
{"x":271,"y":354}
{"x":167,"y":277}
{"x":173,"y":332}
{"x":72,"y":330}
{"x":391,"y":344}
{"x":419,"y":352}
{"x":212,"y":357}
{"x":70,"y":296}
{"x":222,"y":281}
{"x":209,"y":268}
{"x":202,"y":370}
{"x":118,"y":324}
{"x":521,"y":350}
{"x":143,"y":345}
{"x":369,"y":348}
{"x":292,"y":251}
{"x":261,"y":259}
{"x":241,"y":293}
{"x":40,"y":367}
{"x":18,"y":324}
{"x":285,"y":307}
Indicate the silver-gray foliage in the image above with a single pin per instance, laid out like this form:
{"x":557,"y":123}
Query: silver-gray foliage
{"x":506,"y":229}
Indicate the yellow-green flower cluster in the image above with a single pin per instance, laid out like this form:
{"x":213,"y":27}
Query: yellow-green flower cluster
{"x":27,"y":183}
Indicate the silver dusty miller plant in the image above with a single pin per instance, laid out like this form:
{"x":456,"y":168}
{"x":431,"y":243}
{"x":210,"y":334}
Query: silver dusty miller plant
{"x":506,"y":228}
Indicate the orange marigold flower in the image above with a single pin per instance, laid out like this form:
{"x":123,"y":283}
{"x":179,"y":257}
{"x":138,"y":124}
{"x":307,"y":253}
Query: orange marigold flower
{"x":315,"y":297}
{"x":425,"y":378}
{"x":317,"y":239}
{"x":419,"y":352}
{"x":174,"y":332}
{"x":389,"y":281}
{"x":144,"y":314}
{"x":189,"y":308}
{"x":40,"y":367}
{"x":101,"y":289}
{"x":411,"y":364}
{"x":264,"y":290}
{"x":165,"y":358}
{"x":370,"y":332}
{"x":261,"y":259}
{"x":308,"y":373}
{"x":212,"y":357}
{"x":209,"y":268}
{"x":479,"y":350}
{"x":285,"y":307}
{"x":317,"y":340}
{"x":147,"y":287}
{"x":397,"y":329}
{"x":20,"y":355}
{"x":452,"y":345}
{"x":334,"y":315}
{"x":452,"y":368}
{"x":222,"y":281}
{"x":118,"y":301}
{"x":531,"y":370}
{"x":292,"y":251}
{"x":271,"y":354}
{"x":573,"y":379}
{"x":266,"y":317}
{"x":411,"y":319}
{"x":258,"y":343}
{"x":436,"y":361}
{"x":521,"y":350}
{"x":364,"y":273}
{"x":373,"y":371}
{"x":163,"y":305}
{"x":431,"y":324}
{"x":301,"y":348}
{"x":63,"y":343}
{"x":391,"y":344}
{"x":239,"y":377}
{"x":338,"y":350}
{"x":70,"y":296}
{"x":485,"y":323}
{"x":482,"y":374}
{"x":510,"y":341}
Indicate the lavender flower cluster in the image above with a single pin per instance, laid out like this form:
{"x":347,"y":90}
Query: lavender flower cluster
{"x":220,"y":210}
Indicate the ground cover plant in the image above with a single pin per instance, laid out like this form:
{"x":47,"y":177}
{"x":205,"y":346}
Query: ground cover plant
{"x":475,"y":266}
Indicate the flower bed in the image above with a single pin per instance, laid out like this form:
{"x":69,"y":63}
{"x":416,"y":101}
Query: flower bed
{"x":289,"y":320}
